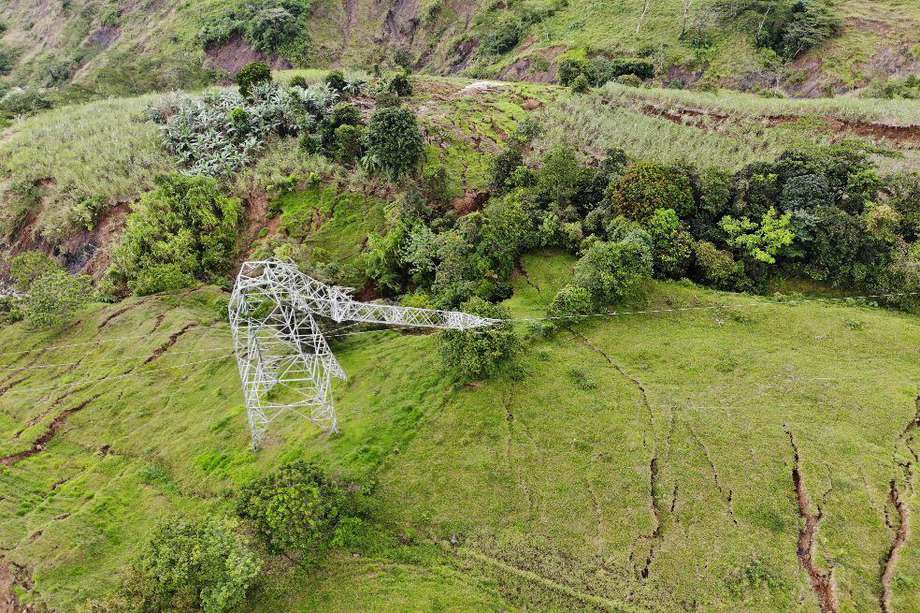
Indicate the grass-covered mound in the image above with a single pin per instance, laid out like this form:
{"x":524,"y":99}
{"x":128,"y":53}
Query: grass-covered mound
{"x":641,"y":459}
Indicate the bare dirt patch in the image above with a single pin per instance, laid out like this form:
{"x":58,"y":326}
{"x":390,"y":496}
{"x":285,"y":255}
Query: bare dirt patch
{"x":173,"y":338}
{"x":41,"y":443}
{"x":236,"y":53}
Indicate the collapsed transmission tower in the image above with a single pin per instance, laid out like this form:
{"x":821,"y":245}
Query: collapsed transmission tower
{"x":285,"y":363}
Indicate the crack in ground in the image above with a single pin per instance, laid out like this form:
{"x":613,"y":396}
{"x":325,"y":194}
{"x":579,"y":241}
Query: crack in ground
{"x":899,"y":502}
{"x":822,"y":582}
{"x":54,"y":404}
{"x":50,"y":432}
{"x":173,"y":338}
{"x":727,"y":496}
{"x":507,"y":403}
{"x":118,"y":312}
{"x":655,"y":536}
{"x":527,"y":278}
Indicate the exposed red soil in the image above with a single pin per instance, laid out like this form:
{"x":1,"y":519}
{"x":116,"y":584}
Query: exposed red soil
{"x":236,"y":53}
{"x":10,"y":577}
{"x":822,"y":582}
{"x":710,"y":120}
{"x":169,"y":343}
{"x":470,"y":202}
{"x":50,"y":432}
{"x":902,"y":533}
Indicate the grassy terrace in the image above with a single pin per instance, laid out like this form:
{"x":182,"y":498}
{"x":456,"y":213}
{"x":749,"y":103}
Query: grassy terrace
{"x":545,"y":482}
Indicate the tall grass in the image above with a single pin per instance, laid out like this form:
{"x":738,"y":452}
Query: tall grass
{"x":737,"y":104}
{"x":104,"y":151}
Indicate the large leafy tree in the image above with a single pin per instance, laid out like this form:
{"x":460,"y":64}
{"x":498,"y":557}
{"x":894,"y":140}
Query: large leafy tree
{"x":394,"y":142}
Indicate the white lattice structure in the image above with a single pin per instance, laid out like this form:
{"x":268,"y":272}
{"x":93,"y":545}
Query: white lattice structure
{"x":285,"y":362}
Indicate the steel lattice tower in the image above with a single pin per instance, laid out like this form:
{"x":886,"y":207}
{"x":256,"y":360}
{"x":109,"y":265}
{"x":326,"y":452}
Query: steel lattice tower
{"x":284,"y":361}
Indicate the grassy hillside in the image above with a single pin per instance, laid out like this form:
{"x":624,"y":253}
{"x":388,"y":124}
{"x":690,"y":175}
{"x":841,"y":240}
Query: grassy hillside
{"x":96,"y":47}
{"x":643,"y":459}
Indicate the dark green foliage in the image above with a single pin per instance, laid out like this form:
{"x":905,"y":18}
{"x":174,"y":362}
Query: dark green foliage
{"x":503,"y":35}
{"x":298,"y":81}
{"x":28,"y":266}
{"x":613,"y":271}
{"x":394,"y":142}
{"x":349,"y":145}
{"x":336,"y":81}
{"x":571,"y":68}
{"x":907,"y":88}
{"x":10,"y":310}
{"x":400,"y":84}
{"x":24,"y":101}
{"x":252,"y":74}
{"x":343,"y":114}
{"x":904,"y":197}
{"x":183,"y":230}
{"x":581,"y":85}
{"x":630,"y":80}
{"x":647,"y":186}
{"x":270,"y":26}
{"x":480,"y":352}
{"x":385,"y":98}
{"x":7,"y":61}
{"x":604,"y":70}
{"x":503,"y":165}
{"x":189,"y":565}
{"x":294,"y":508}
{"x":789,"y":27}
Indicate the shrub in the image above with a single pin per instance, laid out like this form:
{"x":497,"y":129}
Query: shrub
{"x":336,"y":81}
{"x":54,"y":297}
{"x":349,"y":144}
{"x":251,"y":75}
{"x":762,"y":241}
{"x":503,"y":35}
{"x":24,"y":101}
{"x":480,"y":352}
{"x":400,"y":84}
{"x":630,"y":80}
{"x":503,"y":165}
{"x":394,"y":142}
{"x":186,"y":565}
{"x":672,"y":246}
{"x":571,"y":68}
{"x":716,"y":267}
{"x":184,"y":229}
{"x":647,"y":186}
{"x":613,"y":271}
{"x":298,"y":81}
{"x":568,"y":304}
{"x":28,"y":266}
{"x":581,"y":85}
{"x":294,"y":508}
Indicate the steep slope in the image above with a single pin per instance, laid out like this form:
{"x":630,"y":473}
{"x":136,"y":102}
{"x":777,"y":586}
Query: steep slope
{"x":92,"y":47}
{"x":642,"y":460}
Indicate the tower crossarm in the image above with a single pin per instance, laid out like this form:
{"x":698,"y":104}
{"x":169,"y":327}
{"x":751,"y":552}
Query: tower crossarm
{"x":369,"y":312}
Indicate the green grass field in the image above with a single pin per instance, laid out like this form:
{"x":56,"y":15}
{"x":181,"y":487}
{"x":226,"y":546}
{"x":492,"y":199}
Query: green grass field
{"x":633,"y":442}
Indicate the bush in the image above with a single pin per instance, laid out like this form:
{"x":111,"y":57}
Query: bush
{"x":672,"y":246}
{"x":503,"y":35}
{"x":54,"y":297}
{"x":647,"y":186}
{"x":187,"y":565}
{"x":613,"y":271}
{"x":395,"y":145}
{"x":298,"y":81}
{"x":480,"y":352}
{"x":763,"y":241}
{"x":28,"y":266}
{"x":251,"y":75}
{"x":185,"y":229}
{"x":24,"y":101}
{"x":568,"y":304}
{"x":571,"y":68}
{"x":581,"y":85}
{"x":630,"y":80}
{"x":349,"y":145}
{"x":336,"y":81}
{"x":716,"y":267}
{"x":294,"y":508}
{"x":503,"y":166}
{"x":400,"y":84}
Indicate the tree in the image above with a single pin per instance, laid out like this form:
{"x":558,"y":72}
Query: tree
{"x":204,"y":565}
{"x":183,"y":230}
{"x":251,"y":75}
{"x":394,"y":142}
{"x":672,"y":246}
{"x":480,"y":352}
{"x":294,"y":508}
{"x":612,"y":271}
{"x":762,"y":241}
{"x":54,"y":297}
{"x":647,"y":186}
{"x":569,"y":304}
{"x":336,"y":81}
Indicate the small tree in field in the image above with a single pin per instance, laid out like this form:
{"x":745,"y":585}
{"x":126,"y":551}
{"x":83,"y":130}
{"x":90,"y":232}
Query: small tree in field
{"x":251,"y":75}
{"x":28,"y":266}
{"x":394,"y":142}
{"x":480,"y":352}
{"x":612,"y":272}
{"x":54,"y":297}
